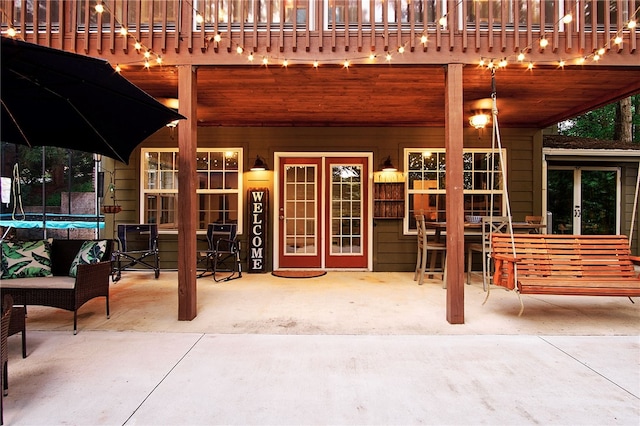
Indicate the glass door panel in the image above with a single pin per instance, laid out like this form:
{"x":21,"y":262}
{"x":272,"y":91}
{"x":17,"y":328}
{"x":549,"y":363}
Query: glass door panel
{"x":583,"y":200}
{"x":347,"y":219}
{"x":300,"y":213}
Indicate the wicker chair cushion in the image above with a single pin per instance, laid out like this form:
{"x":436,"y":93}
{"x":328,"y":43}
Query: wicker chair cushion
{"x":26,"y":259}
{"x":90,"y":252}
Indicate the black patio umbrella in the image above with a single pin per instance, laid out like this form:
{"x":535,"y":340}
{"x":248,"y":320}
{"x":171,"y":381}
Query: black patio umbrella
{"x":55,"y":98}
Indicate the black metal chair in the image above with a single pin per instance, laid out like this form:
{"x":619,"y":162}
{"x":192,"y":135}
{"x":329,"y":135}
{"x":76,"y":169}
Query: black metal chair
{"x":222,"y":258}
{"x":137,"y":245}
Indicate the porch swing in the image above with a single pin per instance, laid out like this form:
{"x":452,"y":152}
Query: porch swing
{"x":586,"y":265}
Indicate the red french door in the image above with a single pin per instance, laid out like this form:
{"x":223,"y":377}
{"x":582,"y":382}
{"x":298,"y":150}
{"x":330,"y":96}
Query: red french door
{"x":323,"y":212}
{"x":299,"y":213}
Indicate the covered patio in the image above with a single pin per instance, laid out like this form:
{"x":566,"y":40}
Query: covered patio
{"x":345,"y":348}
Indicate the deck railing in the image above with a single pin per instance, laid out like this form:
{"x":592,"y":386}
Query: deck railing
{"x":461,"y":26}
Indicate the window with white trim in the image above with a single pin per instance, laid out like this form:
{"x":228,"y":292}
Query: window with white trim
{"x":219,"y":175}
{"x":426,"y":184}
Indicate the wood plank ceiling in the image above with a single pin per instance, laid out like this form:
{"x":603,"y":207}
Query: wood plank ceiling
{"x":386,"y":95}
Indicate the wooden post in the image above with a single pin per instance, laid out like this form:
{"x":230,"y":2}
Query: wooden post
{"x":453,"y":123}
{"x":187,"y":182}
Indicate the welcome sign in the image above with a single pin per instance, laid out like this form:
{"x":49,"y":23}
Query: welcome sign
{"x":258,"y":202}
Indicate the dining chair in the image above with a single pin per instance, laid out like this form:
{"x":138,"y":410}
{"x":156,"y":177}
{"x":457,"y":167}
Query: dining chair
{"x":7,"y":306}
{"x":424,"y":247}
{"x":536,"y":220}
{"x":490,"y":225}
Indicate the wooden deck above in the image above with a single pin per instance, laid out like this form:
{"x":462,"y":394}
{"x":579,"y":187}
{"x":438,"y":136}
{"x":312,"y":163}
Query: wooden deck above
{"x":396,"y":53}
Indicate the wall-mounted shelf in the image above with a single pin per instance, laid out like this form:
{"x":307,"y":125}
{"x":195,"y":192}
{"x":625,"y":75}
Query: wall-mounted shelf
{"x":388,"y":200}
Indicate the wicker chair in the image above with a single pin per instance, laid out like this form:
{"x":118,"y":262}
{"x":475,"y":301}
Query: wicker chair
{"x":18,"y":325}
{"x":7,"y":306}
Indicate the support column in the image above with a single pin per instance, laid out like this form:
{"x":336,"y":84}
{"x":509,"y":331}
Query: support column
{"x":453,"y":123}
{"x":187,"y":182}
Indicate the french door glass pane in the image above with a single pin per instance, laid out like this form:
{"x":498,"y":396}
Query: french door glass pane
{"x":560,"y":200}
{"x":598,"y":210}
{"x":300,"y":209}
{"x":346,"y":209}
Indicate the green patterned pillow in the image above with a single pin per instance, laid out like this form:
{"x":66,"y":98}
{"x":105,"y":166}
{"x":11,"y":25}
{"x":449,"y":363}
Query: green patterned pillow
{"x":90,"y":252}
{"x":26,"y":259}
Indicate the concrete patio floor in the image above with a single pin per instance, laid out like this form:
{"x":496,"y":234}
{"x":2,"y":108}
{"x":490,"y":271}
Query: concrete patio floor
{"x":347,"y":348}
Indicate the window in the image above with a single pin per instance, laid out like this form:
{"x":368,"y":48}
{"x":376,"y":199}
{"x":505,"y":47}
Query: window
{"x":426,"y":184}
{"x":218,"y":191}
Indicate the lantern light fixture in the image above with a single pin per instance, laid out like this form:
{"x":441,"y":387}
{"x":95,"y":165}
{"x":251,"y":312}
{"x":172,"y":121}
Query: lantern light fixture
{"x":388,"y":166}
{"x":259,"y":164}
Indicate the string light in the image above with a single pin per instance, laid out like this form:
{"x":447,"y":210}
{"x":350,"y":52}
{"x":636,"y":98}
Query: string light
{"x":617,"y":40}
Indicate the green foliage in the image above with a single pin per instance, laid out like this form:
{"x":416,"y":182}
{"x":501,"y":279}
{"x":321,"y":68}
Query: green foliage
{"x":600,"y":123}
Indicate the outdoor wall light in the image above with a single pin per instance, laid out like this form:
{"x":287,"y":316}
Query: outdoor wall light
{"x":388,"y":166}
{"x":259,"y":164}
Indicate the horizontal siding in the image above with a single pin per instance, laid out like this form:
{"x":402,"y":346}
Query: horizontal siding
{"x":393,"y":251}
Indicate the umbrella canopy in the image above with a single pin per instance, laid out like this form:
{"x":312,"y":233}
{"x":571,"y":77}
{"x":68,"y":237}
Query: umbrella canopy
{"x":56,"y":98}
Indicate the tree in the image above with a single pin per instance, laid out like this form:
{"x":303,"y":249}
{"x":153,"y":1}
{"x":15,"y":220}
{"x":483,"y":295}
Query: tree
{"x":617,"y":121}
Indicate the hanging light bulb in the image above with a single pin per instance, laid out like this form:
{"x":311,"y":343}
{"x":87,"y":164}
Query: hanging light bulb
{"x":137,"y":45}
{"x":443,"y":21}
{"x":285,"y":63}
{"x":147,"y":54}
{"x":99,"y":7}
{"x":423,"y":39}
{"x":388,"y":57}
{"x":372,"y":56}
{"x":346,"y":63}
{"x":11,"y":32}
{"x":147,"y":65}
{"x":561,"y":63}
{"x":567,"y":18}
{"x":239,"y":50}
{"x":250,"y":57}
{"x":601,"y":51}
{"x":265,"y":61}
{"x":199,"y":18}
{"x":632,"y":24}
{"x":315,"y":64}
{"x":530,"y":66}
{"x":520,"y":57}
{"x":217,"y":38}
{"x":118,"y":69}
{"x":159,"y":60}
{"x":544,"y":43}
{"x":123,"y":31}
{"x":617,"y":40}
{"x":401,"y":49}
